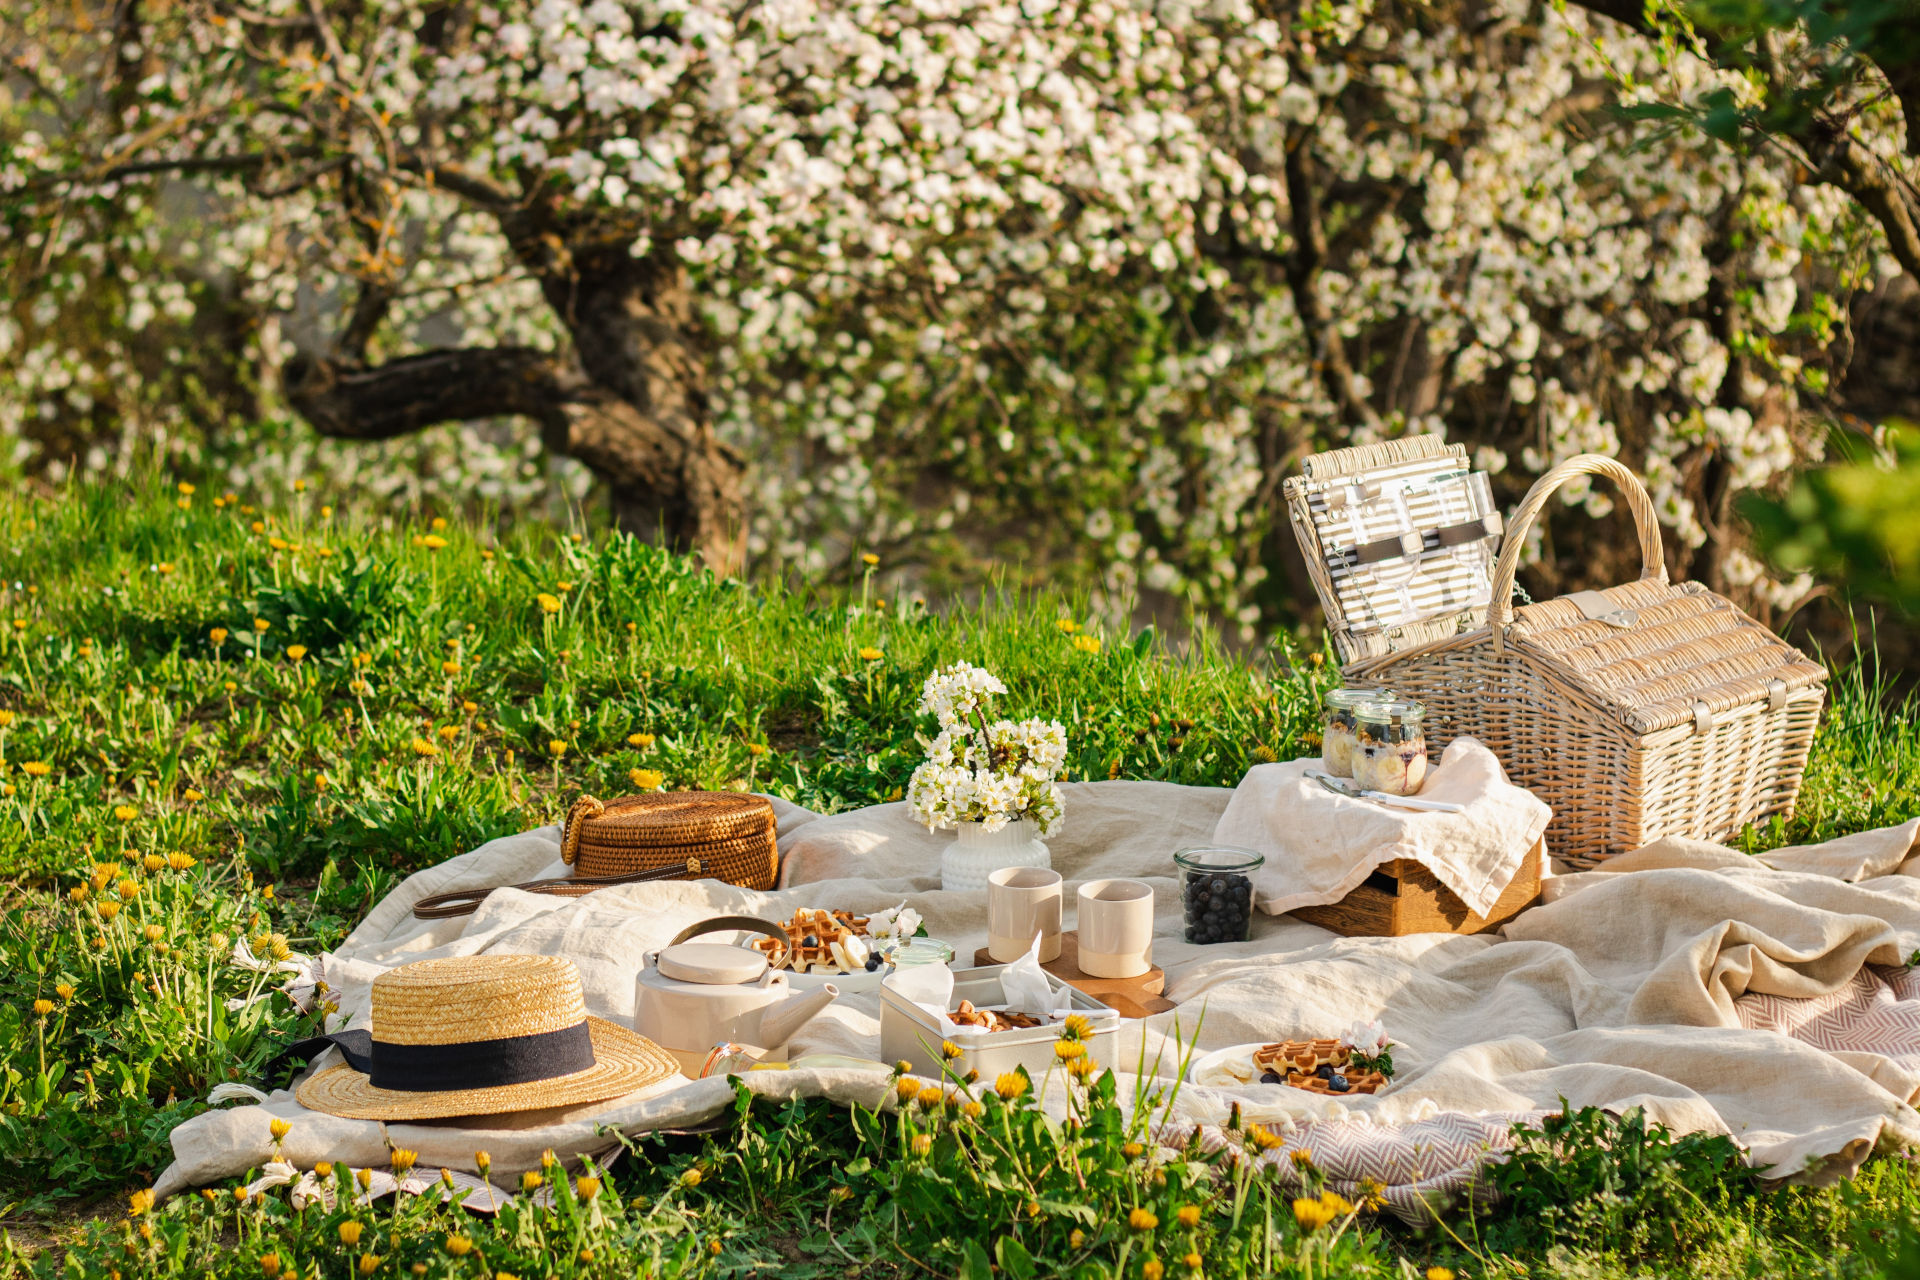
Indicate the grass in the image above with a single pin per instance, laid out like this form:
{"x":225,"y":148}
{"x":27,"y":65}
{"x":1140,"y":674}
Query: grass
{"x":226,"y":723}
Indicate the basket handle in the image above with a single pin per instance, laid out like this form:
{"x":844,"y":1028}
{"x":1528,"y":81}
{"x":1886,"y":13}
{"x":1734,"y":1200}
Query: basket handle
{"x":1653,"y":560}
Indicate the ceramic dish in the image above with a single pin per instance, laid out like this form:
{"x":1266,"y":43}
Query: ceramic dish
{"x":1228,"y":1068}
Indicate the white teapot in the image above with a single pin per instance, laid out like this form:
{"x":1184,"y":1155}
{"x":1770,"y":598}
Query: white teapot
{"x":692,"y":996}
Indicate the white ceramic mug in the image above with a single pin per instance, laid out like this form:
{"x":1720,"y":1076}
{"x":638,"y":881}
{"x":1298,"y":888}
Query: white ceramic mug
{"x":1022,"y":902}
{"x":1116,"y":928}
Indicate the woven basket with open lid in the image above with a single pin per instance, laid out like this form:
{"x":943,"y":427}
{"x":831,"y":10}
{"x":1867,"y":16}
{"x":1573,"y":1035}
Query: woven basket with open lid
{"x":1640,"y":711}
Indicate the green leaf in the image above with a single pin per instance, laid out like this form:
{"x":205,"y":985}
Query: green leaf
{"x":1013,"y":1258}
{"x":975,"y":1265}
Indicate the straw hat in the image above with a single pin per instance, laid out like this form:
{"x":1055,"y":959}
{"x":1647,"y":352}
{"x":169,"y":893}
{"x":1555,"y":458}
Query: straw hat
{"x":481,"y":1036}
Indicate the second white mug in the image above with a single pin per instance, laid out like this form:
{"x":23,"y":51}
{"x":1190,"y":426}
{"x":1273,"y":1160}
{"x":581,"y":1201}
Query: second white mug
{"x":1116,"y":928}
{"x":1023,"y":902}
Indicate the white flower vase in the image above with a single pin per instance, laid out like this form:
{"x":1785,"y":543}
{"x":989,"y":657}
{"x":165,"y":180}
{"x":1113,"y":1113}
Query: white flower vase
{"x":977,"y":853}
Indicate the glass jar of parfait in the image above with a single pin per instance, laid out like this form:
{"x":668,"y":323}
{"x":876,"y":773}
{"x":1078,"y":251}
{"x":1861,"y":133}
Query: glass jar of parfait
{"x":1391,"y":754}
{"x":1339,"y":740}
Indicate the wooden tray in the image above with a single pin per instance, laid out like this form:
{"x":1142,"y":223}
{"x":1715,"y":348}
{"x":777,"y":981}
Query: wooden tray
{"x":1403,"y":897}
{"x":1131,"y":997}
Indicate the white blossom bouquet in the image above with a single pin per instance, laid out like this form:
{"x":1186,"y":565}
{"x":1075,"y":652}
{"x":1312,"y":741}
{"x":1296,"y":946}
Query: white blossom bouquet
{"x":989,"y":772}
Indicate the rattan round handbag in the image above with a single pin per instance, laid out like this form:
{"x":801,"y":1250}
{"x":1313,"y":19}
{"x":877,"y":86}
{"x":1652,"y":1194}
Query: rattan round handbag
{"x":674,"y":835}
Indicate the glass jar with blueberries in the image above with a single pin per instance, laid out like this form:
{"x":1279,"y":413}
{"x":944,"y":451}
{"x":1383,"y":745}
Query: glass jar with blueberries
{"x":1216,"y":891}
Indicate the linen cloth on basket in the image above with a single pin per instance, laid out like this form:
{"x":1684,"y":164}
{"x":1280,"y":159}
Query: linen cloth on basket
{"x":1626,"y":992}
{"x":1320,"y":846}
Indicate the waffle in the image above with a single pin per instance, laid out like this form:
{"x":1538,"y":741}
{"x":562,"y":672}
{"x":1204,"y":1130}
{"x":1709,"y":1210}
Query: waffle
{"x":840,"y":943}
{"x":1297,"y":1061}
{"x":991,"y":1019}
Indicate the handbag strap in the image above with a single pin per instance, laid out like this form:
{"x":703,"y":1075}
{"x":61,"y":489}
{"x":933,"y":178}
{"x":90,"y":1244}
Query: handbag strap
{"x":464,"y":902}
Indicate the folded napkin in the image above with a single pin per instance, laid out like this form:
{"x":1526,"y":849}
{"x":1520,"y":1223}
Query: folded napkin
{"x":1320,"y":845}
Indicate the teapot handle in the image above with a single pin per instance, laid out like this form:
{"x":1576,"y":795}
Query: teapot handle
{"x":748,"y":924}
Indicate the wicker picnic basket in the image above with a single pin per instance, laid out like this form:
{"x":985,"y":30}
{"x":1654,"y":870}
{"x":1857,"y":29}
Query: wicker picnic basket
{"x":1639,"y":711}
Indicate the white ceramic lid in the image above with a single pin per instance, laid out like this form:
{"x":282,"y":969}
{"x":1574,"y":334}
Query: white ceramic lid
{"x":711,"y":963}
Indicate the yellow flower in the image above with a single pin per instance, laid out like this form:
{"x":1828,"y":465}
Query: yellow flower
{"x":1142,"y":1219}
{"x":1152,"y":1270}
{"x":907,"y":1087}
{"x":482,"y":1162}
{"x":127,"y":889}
{"x":421,"y":747}
{"x":1077,"y":1239}
{"x":1312,"y":1214}
{"x":1338,"y":1204}
{"x":691,"y":1178}
{"x":279,"y":1128}
{"x":1439,"y":1273}
{"x":108,"y":910}
{"x":1083,"y":1069}
{"x":1263,"y":1137}
{"x":185,"y":489}
{"x":350,"y":1231}
{"x":43,"y":1007}
{"x":1132,"y":1150}
{"x":270,"y":1265}
{"x":258,"y":526}
{"x":640,"y":740}
{"x":278,"y":543}
{"x":972,"y":1110}
{"x":437,"y":523}
{"x":153,"y":933}
{"x":931,"y":1097}
{"x":153,"y":862}
{"x":6,"y":719}
{"x":1010,"y":1085}
{"x":1191,"y":1261}
{"x":469,"y":707}
{"x":36,"y":768}
{"x":1067,"y":625}
{"x":756,"y":748}
{"x":448,"y":732}
{"x":433,"y":542}
{"x":557,"y":748}
{"x":548,"y":603}
{"x":1068,"y":1050}
{"x":530,"y":1182}
{"x":870,"y":654}
{"x":922,"y":1143}
{"x":262,"y":626}
{"x":326,"y":513}
{"x":65,"y":990}
{"x":125,"y":812}
{"x":79,"y":893}
{"x":869,"y":559}
{"x":299,"y":486}
{"x":403,"y":1160}
{"x":296,"y":651}
{"x":140,"y":1201}
{"x":646,"y":779}
{"x":451,"y":667}
{"x":586,"y":1187}
{"x":1076,"y":1027}
{"x":1303,"y":1158}
{"x":1087,"y":644}
{"x":192,"y":795}
{"x":949,"y":1050}
{"x":369,"y":1263}
{"x":459,"y":1246}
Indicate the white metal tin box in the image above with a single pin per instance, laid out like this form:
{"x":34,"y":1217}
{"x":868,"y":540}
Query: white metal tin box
{"x":909,"y":1032}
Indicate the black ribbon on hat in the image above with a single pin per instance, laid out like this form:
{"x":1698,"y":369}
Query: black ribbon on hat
{"x":446,"y":1068}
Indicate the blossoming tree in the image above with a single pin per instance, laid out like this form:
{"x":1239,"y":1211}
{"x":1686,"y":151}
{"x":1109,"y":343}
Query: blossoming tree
{"x":1083,"y":276}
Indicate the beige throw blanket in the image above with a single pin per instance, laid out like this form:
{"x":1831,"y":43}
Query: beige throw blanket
{"x":1626,"y":992}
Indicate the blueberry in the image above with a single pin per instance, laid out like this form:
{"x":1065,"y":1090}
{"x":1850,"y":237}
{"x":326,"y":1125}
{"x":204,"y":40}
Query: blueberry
{"x":1338,"y":1084}
{"x":873,"y":961}
{"x":1325,"y":1072}
{"x":1270,"y":1078}
{"x":809,"y":941}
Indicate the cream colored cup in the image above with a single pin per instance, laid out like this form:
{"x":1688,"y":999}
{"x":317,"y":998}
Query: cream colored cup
{"x":1116,"y":928}
{"x":1022,"y":902}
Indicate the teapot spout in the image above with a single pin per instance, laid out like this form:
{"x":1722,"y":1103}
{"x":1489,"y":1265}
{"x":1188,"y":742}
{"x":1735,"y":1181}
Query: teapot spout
{"x":779,"y":1023}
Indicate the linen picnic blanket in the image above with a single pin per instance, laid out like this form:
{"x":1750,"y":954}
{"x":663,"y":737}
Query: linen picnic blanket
{"x":1760,"y":997}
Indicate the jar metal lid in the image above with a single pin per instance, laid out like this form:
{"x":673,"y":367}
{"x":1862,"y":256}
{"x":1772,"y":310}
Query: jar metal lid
{"x":1349,"y":698}
{"x":1218,"y":857}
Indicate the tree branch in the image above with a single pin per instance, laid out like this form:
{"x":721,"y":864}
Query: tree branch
{"x":1303,"y":267}
{"x":415,"y":392}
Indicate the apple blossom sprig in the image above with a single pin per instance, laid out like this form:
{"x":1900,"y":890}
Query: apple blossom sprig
{"x":1369,"y":1046}
{"x":976,"y":770}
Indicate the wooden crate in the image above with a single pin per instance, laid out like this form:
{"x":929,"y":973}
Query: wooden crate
{"x":1403,"y":897}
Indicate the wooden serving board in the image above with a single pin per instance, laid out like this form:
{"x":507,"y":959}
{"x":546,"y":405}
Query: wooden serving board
{"x":1130,"y":997}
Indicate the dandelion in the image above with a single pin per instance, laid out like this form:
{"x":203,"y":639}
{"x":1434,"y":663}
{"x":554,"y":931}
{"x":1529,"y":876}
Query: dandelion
{"x":1152,"y":1270}
{"x":108,"y":910}
{"x":140,"y":1201}
{"x":1010,"y":1085}
{"x":1189,"y":1215}
{"x":433,"y":542}
{"x":403,"y":1161}
{"x":1077,"y":1239}
{"x":869,"y":559}
{"x":530,"y":1182}
{"x":270,"y":1265}
{"x":922,"y":1143}
{"x":871,"y":654}
{"x":369,"y":1263}
{"x":421,"y":747}
{"x":450,"y":668}
{"x":185,"y":490}
{"x":1068,"y":1050}
{"x":691,"y":1178}
{"x":646,"y":779}
{"x":1067,"y":625}
{"x":1435,"y":1273}
{"x":43,"y":1006}
{"x":1083,"y":1069}
{"x":972,"y":1110}
{"x":350,"y":1230}
{"x":125,"y":812}
{"x":469,"y":707}
{"x":279,"y":1128}
{"x":326,"y":513}
{"x":931,"y":1097}
{"x":1266,"y":1139}
{"x":154,"y":933}
{"x":949,"y":1050}
{"x":1133,"y":1150}
{"x":65,"y":990}
{"x":1086,"y":643}
{"x":640,"y":740}
{"x":193,"y":795}
{"x":1076,"y":1027}
{"x":1303,"y":1159}
{"x":6,"y":719}
{"x":296,"y":652}
{"x":907,"y":1087}
{"x":482,"y":1162}
{"x":458,"y":1245}
{"x":261,"y":626}
{"x":78,"y":893}
{"x":127,"y":890}
{"x":36,"y":768}
{"x":1338,"y":1204}
{"x":586,"y":1187}
{"x":1142,"y":1219}
{"x":153,"y":862}
{"x":756,"y":748}
{"x":548,"y":603}
{"x":1312,"y":1214}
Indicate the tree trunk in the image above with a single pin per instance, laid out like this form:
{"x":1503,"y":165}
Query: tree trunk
{"x":633,"y":409}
